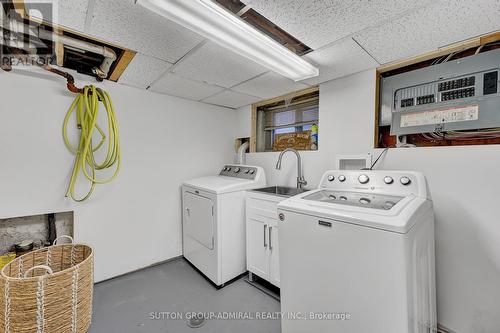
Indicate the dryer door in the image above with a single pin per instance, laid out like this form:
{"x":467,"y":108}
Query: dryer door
{"x":199,"y":219}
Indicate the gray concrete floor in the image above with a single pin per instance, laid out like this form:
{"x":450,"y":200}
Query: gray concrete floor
{"x":126,"y":304}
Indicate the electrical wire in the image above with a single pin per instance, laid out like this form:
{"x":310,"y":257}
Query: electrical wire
{"x":449,"y":57}
{"x":478,"y":50}
{"x":87,"y":112}
{"x":378,"y":158}
{"x":491,"y":133}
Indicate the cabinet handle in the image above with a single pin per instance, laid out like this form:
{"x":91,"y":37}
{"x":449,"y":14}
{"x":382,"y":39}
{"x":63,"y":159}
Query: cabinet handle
{"x":270,"y":238}
{"x":265,"y":243}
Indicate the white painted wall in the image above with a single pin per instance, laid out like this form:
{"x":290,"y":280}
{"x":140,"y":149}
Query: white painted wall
{"x":463,"y":182}
{"x":136,"y":220}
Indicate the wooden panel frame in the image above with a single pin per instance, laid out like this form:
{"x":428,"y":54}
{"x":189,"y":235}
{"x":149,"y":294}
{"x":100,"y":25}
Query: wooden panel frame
{"x":470,"y":43}
{"x":19,"y":7}
{"x":376,"y":132}
{"x":122,"y":64}
{"x":255,"y":106}
{"x":455,"y":47}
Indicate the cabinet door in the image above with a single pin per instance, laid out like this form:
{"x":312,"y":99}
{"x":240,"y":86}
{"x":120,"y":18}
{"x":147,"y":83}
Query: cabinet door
{"x":274,"y":271}
{"x":257,"y":247}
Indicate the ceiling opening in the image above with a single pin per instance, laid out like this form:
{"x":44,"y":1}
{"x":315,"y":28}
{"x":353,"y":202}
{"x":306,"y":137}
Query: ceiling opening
{"x":265,"y":26}
{"x":66,"y":56}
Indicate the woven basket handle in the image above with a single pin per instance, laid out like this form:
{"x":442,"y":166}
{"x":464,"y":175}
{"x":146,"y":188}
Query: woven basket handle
{"x":47,"y":268}
{"x":64,"y":236}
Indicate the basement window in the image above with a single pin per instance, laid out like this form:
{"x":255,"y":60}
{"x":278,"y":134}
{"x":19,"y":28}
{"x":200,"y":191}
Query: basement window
{"x":290,"y":121}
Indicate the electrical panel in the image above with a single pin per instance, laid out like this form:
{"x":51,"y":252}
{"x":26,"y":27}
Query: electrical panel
{"x":461,"y":94}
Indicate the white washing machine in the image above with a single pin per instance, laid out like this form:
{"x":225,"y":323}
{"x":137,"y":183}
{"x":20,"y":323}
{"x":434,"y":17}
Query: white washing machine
{"x":214,"y":221}
{"x":357,"y":255}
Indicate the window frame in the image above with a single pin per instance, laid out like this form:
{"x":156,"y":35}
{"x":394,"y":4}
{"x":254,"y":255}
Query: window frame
{"x":256,"y":106}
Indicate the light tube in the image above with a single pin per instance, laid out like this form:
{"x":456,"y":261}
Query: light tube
{"x":212,"y":21}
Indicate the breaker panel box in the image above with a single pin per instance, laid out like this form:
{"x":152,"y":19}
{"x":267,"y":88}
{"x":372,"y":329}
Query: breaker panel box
{"x":461,"y":94}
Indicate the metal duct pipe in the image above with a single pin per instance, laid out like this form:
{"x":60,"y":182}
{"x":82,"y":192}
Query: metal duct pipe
{"x":240,"y":159}
{"x":20,"y":28}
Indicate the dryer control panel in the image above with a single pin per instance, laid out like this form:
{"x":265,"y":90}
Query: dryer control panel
{"x":239,"y":171}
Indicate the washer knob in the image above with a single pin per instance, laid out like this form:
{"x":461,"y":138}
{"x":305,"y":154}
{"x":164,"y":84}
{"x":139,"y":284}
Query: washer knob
{"x":388,"y":180}
{"x":247,"y":171}
{"x":342,"y":178}
{"x":363,"y":179}
{"x":237,"y":170}
{"x":331,"y":178}
{"x":388,"y":205}
{"x":405,"y":180}
{"x":364,"y":201}
{"x":228,"y":169}
{"x":252,"y":172}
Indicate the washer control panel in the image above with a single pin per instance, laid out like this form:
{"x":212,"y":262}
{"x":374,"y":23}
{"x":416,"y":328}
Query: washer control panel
{"x":376,"y":181}
{"x":239,"y":171}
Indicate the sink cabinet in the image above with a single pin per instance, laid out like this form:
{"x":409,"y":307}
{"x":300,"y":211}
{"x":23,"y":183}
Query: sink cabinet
{"x":262,"y":235}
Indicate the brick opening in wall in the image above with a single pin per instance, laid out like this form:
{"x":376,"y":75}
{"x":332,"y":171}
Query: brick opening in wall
{"x":20,"y":235}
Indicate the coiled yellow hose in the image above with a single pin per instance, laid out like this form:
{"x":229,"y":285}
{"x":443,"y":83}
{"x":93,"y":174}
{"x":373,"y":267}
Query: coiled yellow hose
{"x":87,"y":111}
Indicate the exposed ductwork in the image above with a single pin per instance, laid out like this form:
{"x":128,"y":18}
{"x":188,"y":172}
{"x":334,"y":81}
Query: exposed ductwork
{"x":18,"y":29}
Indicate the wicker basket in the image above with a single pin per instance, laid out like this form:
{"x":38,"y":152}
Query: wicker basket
{"x":6,"y":258}
{"x":48,"y":291}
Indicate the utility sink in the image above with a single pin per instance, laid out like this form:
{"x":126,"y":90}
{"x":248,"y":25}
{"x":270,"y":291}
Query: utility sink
{"x":281,"y":191}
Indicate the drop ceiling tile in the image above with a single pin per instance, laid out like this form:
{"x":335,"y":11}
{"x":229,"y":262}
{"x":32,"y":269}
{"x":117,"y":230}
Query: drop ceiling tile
{"x":214,"y":64}
{"x":143,"y":70}
{"x":320,"y":22}
{"x":69,"y":13}
{"x":172,"y":84}
{"x":231,"y":99}
{"x":430,"y":28}
{"x":269,"y":85}
{"x":129,"y":25}
{"x":338,"y":60}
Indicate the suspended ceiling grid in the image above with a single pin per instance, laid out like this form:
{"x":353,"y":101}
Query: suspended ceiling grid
{"x":347,"y":37}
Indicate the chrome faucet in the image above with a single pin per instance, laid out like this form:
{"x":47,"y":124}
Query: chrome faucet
{"x":300,"y":177}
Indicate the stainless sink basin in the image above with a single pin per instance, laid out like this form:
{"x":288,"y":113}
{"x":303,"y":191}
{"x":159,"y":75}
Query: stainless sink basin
{"x":281,"y":191}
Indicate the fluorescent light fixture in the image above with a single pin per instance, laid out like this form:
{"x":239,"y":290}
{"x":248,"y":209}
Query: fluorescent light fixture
{"x":215,"y":23}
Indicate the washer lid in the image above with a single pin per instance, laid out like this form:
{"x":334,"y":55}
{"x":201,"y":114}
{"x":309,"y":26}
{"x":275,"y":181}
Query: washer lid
{"x":399,"y":218}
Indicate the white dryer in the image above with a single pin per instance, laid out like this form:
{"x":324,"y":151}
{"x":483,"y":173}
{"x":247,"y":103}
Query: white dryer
{"x":214,"y":221}
{"x":357,"y":255}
